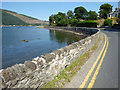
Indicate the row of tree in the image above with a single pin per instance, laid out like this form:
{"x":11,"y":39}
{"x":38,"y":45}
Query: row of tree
{"x":79,"y":14}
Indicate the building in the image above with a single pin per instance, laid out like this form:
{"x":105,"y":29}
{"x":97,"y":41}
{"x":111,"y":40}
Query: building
{"x":119,"y":4}
{"x":119,"y":8}
{"x":115,"y":13}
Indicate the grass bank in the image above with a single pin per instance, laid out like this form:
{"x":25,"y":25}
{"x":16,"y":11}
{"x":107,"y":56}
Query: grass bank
{"x":66,"y":74}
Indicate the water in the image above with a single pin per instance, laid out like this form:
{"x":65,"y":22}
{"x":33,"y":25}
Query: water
{"x":38,"y":41}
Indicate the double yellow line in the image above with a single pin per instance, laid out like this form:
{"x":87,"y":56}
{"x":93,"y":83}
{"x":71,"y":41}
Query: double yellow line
{"x":104,"y":50}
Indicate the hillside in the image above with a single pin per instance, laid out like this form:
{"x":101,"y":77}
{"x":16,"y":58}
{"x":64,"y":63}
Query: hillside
{"x":13,"y":18}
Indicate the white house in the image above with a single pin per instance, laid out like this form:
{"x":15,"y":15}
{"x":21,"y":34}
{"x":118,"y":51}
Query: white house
{"x":115,"y":13}
{"x":119,"y":8}
{"x":119,"y":4}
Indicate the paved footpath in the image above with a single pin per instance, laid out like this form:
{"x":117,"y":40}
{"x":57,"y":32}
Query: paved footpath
{"x":101,"y":70}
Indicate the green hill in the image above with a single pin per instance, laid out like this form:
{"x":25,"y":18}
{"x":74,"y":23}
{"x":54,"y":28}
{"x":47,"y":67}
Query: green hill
{"x":13,"y":18}
{"x":8,"y":19}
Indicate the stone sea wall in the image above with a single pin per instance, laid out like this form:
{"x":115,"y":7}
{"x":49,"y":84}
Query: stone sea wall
{"x":80,"y":30}
{"x":35,"y":73}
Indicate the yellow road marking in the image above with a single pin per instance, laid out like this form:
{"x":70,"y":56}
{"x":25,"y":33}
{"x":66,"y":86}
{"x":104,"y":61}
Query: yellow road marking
{"x":98,"y":68}
{"x":95,"y":63}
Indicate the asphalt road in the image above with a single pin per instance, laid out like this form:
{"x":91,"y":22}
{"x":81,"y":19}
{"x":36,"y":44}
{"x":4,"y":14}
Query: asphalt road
{"x":107,"y":76}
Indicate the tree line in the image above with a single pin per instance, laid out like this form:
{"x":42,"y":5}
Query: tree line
{"x":79,"y":17}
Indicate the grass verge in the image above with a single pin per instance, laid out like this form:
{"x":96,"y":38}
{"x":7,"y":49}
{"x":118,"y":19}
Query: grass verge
{"x":66,"y":74}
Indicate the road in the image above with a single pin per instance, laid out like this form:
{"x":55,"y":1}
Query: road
{"x":103,"y":74}
{"x":108,"y":74}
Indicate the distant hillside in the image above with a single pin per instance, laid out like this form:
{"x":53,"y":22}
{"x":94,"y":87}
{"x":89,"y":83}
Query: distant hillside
{"x":13,"y":18}
{"x":8,"y":19}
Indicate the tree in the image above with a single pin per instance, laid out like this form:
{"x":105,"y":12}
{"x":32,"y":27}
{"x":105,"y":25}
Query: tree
{"x":73,"y":22}
{"x":80,"y":12}
{"x":92,"y":15}
{"x":70,"y":14}
{"x":104,"y":10}
{"x":60,"y":19}
{"x":62,"y":22}
{"x":51,"y":20}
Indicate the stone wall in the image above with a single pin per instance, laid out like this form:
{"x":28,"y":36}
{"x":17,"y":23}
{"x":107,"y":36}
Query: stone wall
{"x":35,"y":73}
{"x":84,"y":30}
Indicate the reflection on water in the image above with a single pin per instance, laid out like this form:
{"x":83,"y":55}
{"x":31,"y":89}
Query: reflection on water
{"x":61,"y":37}
{"x":24,"y":43}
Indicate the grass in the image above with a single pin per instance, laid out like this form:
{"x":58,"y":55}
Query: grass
{"x":66,"y":74}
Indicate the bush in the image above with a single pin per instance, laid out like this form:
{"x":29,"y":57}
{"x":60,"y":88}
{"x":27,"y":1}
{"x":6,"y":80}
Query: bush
{"x":112,"y":17}
{"x":109,"y":18}
{"x":118,"y":20}
{"x":73,"y":22}
{"x":61,"y":23}
{"x":108,"y":22}
{"x":87,"y":24}
{"x":119,"y":16}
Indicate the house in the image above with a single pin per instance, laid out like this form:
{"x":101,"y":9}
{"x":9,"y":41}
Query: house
{"x":119,"y":8}
{"x":115,"y":13}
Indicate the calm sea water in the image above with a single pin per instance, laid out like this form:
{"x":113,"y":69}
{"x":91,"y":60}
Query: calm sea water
{"x":40,"y":41}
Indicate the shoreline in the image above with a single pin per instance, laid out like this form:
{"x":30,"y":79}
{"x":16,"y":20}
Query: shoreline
{"x":74,"y":33}
{"x":49,"y":65}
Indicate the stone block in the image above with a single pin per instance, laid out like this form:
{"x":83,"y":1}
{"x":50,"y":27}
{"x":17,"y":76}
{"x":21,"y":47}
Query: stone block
{"x":5,"y":74}
{"x":48,"y":57}
{"x":62,"y":50}
{"x":17,"y":70}
{"x":71,"y":47}
{"x":57,"y":52}
{"x":74,"y":45}
{"x":2,"y":83}
{"x":12,"y":73}
{"x":66,"y":48}
{"x":30,"y":65}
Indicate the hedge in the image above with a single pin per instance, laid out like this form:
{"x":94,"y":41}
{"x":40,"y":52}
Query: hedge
{"x":108,"y":22}
{"x":87,"y":24}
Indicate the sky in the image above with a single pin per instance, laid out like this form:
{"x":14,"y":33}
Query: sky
{"x":42,"y":10}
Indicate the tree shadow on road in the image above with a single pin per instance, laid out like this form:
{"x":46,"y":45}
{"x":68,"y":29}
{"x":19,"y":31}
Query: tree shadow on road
{"x":110,"y":29}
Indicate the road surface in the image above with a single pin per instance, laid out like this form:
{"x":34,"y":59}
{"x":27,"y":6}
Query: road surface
{"x":103,"y":74}
{"x":108,"y":74}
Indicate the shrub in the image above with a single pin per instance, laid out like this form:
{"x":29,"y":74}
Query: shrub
{"x":109,"y":18}
{"x":87,"y":24}
{"x":118,"y":20}
{"x":73,"y":22}
{"x":108,"y":22}
{"x":61,"y":23}
{"x":112,"y":17}
{"x":119,"y":16}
